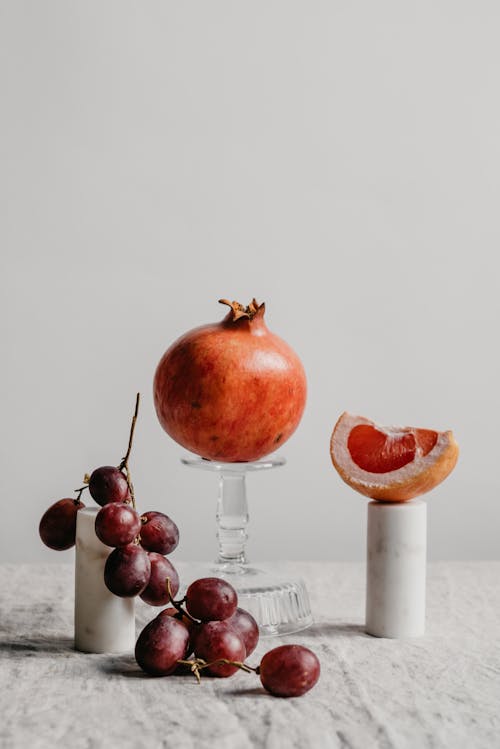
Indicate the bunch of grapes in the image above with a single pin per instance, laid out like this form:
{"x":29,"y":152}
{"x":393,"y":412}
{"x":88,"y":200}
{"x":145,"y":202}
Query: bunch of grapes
{"x":138,"y":563}
{"x":221,"y":636}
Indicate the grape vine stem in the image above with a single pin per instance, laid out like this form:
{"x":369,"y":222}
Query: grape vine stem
{"x":198,"y":664}
{"x":124,"y":464}
{"x":80,"y":492}
{"x":178,"y":604}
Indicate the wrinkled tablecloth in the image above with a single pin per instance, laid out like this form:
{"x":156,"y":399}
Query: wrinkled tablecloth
{"x":442,"y":690}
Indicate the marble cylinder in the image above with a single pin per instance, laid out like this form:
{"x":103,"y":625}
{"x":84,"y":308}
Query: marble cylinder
{"x":104,"y":623}
{"x":396,"y":569}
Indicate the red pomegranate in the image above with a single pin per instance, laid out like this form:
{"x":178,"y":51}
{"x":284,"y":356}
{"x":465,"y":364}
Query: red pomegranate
{"x":230,"y":391}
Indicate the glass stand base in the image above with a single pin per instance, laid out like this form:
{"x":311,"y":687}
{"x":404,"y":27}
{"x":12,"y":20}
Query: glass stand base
{"x":280,"y":606}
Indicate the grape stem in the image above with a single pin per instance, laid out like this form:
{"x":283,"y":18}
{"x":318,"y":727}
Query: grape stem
{"x":198,"y":664}
{"x":124,"y":464}
{"x":80,"y":492}
{"x":178,"y":604}
{"x":195,"y":665}
{"x":238,"y":664}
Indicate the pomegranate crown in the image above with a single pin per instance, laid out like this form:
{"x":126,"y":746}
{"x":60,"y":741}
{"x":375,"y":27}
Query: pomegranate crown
{"x":239,"y":310}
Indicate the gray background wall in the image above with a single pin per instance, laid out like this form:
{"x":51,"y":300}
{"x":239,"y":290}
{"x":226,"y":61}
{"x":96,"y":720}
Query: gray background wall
{"x":339,"y":160}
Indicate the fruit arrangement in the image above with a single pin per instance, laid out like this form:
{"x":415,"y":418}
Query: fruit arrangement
{"x":208,"y":624}
{"x":392,"y":464}
{"x":138,"y":564}
{"x":231,"y":391}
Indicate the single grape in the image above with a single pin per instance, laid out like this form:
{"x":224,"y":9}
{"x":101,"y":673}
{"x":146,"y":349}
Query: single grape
{"x":108,"y":484}
{"x":155,"y":593}
{"x":211,"y":599}
{"x":217,"y":639}
{"x":193,"y":627}
{"x":161,"y":644}
{"x":159,"y":533}
{"x":127,"y":571}
{"x":289,"y":670}
{"x":247,"y":628}
{"x":117,"y":524}
{"x":57,"y":527}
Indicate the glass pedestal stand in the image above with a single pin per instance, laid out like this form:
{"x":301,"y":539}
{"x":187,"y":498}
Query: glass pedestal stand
{"x":280,"y":606}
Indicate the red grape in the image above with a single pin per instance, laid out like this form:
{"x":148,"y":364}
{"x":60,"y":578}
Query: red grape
{"x":247,"y":628}
{"x":155,"y":593}
{"x":117,"y":524}
{"x":289,"y":670}
{"x":58,"y":524}
{"x":170,"y":611}
{"x":216,"y":640}
{"x":108,"y":484}
{"x":211,"y":599}
{"x":127,"y":571}
{"x":159,"y":533}
{"x":193,"y":627}
{"x":161,"y":644}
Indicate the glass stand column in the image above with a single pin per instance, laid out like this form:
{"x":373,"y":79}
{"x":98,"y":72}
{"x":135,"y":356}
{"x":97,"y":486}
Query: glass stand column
{"x":280,"y":606}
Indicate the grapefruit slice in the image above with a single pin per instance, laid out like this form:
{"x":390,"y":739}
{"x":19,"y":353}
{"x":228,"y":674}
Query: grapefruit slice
{"x":393,"y":464}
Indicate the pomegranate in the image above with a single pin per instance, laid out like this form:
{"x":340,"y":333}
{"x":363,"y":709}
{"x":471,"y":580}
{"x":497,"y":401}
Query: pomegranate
{"x":230,"y":391}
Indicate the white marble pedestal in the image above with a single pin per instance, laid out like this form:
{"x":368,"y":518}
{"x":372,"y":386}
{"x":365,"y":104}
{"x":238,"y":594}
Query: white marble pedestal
{"x":104,"y":623}
{"x":396,"y":566}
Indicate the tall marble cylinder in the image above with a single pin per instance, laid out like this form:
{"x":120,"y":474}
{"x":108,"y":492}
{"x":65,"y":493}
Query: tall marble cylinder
{"x":104,"y":623}
{"x":396,"y":569}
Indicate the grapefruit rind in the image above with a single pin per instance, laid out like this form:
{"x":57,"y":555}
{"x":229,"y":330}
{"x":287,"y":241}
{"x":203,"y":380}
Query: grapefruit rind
{"x":401,"y":485}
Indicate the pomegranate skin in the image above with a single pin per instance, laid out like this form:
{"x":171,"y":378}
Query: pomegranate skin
{"x":230,"y":391}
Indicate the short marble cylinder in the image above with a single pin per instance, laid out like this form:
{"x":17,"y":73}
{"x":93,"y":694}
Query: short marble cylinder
{"x":104,"y":623}
{"x":396,"y":569}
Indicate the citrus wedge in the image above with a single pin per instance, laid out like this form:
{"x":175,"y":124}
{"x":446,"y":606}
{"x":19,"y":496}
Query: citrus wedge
{"x":393,"y":464}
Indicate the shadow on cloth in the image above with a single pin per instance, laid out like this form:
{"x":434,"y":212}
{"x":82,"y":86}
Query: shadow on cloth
{"x":26,"y":646}
{"x":247,"y":692}
{"x":122,"y":665}
{"x":330,"y":629}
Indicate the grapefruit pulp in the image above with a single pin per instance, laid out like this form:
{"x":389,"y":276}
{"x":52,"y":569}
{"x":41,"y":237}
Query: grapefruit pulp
{"x":393,"y":464}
